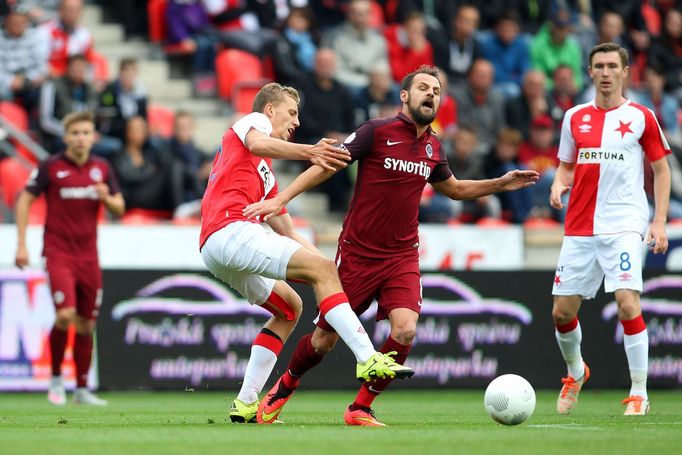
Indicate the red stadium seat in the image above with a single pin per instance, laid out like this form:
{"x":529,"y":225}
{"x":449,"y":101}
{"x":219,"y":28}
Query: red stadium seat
{"x":232,"y":66}
{"x":160,"y":121}
{"x":244,"y":93}
{"x":376,"y":16}
{"x":491,"y":222}
{"x":13,"y":177}
{"x":145,"y":216}
{"x":540,"y":223}
{"x":14,"y":114}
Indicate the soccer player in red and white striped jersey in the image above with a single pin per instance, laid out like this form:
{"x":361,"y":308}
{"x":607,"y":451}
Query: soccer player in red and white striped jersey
{"x":602,"y":150}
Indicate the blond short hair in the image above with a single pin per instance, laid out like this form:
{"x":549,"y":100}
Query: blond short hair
{"x":78,"y":117}
{"x":273,"y":93}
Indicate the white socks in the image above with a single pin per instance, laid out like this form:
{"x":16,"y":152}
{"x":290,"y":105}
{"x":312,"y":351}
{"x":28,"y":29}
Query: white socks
{"x":637,"y":352}
{"x":258,"y":370}
{"x":351,"y":331}
{"x":569,"y":344}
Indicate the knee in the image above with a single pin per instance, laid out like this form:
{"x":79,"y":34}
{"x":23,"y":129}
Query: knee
{"x":562,"y":315}
{"x":323,"y":270}
{"x":404,"y":333}
{"x":64,"y":319}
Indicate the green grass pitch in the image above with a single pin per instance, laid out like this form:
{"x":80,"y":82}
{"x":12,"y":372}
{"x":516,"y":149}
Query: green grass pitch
{"x":420,"y":422}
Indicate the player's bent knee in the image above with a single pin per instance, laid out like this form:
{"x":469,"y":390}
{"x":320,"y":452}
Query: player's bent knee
{"x":324,"y":342}
{"x":64,"y":318}
{"x":323,"y":270}
{"x":404,"y":335}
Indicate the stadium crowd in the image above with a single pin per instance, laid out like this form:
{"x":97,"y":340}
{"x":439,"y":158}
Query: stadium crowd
{"x":510,"y":70}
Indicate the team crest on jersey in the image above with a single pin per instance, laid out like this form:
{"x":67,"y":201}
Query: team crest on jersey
{"x":587,"y":118}
{"x":96,"y":174}
{"x":429,"y":150}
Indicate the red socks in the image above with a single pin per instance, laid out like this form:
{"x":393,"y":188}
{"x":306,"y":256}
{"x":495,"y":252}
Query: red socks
{"x":58,"y":339}
{"x":370,"y":390}
{"x":303,"y":359}
{"x":82,"y":356}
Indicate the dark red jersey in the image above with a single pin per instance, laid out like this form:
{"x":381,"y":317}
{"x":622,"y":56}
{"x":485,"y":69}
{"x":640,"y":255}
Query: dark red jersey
{"x":394,"y":165}
{"x":72,"y":203}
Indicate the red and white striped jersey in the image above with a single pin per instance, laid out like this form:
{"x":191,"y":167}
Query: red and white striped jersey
{"x":608,"y":147}
{"x":62,"y":44}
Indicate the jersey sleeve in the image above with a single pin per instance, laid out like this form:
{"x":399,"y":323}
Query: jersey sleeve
{"x":38,"y":180}
{"x":653,"y":141}
{"x":442,"y":170}
{"x":112,"y":181}
{"x":567,"y":151}
{"x":360,"y":142}
{"x":255,"y":120}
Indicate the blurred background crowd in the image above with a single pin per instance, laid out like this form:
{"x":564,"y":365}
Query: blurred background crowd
{"x":510,"y":69}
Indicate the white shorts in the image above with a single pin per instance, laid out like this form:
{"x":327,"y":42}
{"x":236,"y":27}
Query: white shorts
{"x":249,"y":258}
{"x":585,"y":260}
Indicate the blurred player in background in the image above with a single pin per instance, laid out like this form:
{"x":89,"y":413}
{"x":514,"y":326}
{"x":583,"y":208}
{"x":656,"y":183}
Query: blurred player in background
{"x":254,"y":261}
{"x":75,"y":185}
{"x":603,"y":145}
{"x":378,"y":254}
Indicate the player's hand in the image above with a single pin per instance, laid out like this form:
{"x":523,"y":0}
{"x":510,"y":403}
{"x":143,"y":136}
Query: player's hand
{"x":265,"y":209}
{"x":102,"y":191}
{"x":558,"y":190}
{"x":21,"y":258}
{"x":329,"y":157}
{"x":517,"y":179}
{"x":657,"y":239}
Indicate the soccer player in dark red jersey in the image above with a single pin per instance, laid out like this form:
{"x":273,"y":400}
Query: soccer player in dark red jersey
{"x":75,"y":185}
{"x":378,"y":254}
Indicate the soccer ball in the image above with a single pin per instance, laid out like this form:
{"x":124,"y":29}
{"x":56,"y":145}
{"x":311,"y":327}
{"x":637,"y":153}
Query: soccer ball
{"x":509,"y":399}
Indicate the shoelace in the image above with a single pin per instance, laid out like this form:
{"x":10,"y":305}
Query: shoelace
{"x":369,"y":411}
{"x":570,"y":385}
{"x":637,"y":400}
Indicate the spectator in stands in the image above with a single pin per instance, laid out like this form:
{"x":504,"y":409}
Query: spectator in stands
{"x":531,"y":103}
{"x":188,"y":25}
{"x":41,"y":11}
{"x":238,"y":26}
{"x":149,"y":178}
{"x":445,"y":124}
{"x":408,"y":47}
{"x":329,"y":13}
{"x":463,"y":48}
{"x":65,"y":37}
{"x":539,"y":153}
{"x":564,"y":95}
{"x":380,"y":93}
{"x":183,"y":149}
{"x":61,"y":96}
{"x":516,"y":205}
{"x":327,"y":111}
{"x":484,"y":108}
{"x":438,"y":14}
{"x":664,"y":105}
{"x":121,"y":100}
{"x":296,"y":49}
{"x":553,"y":46}
{"x":358,"y":48}
{"x":23,"y":63}
{"x":666,"y":52}
{"x":532,"y":14}
{"x":508,"y":51}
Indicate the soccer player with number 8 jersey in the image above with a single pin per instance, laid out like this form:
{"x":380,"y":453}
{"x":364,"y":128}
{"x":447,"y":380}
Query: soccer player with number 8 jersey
{"x":602,"y":149}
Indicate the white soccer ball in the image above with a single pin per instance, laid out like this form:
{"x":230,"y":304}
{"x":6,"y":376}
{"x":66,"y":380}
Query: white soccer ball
{"x":509,"y":399}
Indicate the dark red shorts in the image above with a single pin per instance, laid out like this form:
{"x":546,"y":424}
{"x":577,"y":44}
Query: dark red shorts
{"x":393,"y":283}
{"x":75,"y":284}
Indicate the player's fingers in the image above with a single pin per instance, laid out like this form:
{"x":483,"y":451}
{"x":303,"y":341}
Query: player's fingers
{"x":328,"y":140}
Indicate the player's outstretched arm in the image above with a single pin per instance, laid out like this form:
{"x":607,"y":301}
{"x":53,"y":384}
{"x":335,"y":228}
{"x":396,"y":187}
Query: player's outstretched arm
{"x":271,"y":207}
{"x":563,"y":179}
{"x":657,"y":234}
{"x":21,"y":213}
{"x":323,"y":153}
{"x":472,"y":189}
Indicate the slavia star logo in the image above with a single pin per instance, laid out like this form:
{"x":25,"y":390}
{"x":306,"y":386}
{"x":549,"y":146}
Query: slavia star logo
{"x":623,"y":128}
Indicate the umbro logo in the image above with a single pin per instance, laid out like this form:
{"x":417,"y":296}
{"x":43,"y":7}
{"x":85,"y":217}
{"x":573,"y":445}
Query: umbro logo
{"x":390,"y":142}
